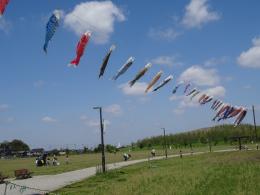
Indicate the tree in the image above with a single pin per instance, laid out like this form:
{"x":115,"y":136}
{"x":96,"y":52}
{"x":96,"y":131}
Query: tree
{"x":18,"y":145}
{"x":98,"y":148}
{"x":110,"y":148}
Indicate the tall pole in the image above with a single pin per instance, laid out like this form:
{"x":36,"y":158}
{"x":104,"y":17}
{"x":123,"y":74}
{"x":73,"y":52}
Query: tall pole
{"x":209,"y":140}
{"x":253,"y":108}
{"x":165,"y":147}
{"x":209,"y":144}
{"x":102,"y":139}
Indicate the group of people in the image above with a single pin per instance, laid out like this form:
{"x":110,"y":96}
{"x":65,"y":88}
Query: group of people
{"x":45,"y":160}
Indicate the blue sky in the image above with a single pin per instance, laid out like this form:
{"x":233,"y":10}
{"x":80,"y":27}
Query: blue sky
{"x":214,"y":44}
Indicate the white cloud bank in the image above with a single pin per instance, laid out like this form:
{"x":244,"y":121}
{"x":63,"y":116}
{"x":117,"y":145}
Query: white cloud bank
{"x":169,"y":61}
{"x":197,"y":13}
{"x":200,"y":76}
{"x":218,"y":91}
{"x":136,"y":90}
{"x":114,"y":109}
{"x":94,"y":123}
{"x":185,"y":102}
{"x":96,"y":16}
{"x":251,"y":57}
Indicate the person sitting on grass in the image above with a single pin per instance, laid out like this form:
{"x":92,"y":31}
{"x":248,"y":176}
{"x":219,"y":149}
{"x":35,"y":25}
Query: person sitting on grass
{"x":55,"y":161}
{"x":153,"y":152}
{"x":126,"y":156}
{"x":48,"y":161}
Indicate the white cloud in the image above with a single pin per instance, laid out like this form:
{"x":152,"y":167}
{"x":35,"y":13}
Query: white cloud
{"x":106,"y":125}
{"x":39,"y":83}
{"x":7,"y":120}
{"x":89,"y":122}
{"x":96,"y":16}
{"x":215,"y":61}
{"x":166,"y":60}
{"x":251,"y":57}
{"x":83,"y":117}
{"x":4,"y":25}
{"x":197,"y":13}
{"x":218,"y":91}
{"x":136,"y":90}
{"x":178,"y":111}
{"x":94,"y":123}
{"x":4,"y":107}
{"x":187,"y":103}
{"x":247,"y":87}
{"x":200,"y":76}
{"x":257,"y":107}
{"x":10,"y":120}
{"x":175,"y":97}
{"x":167,"y":34}
{"x":184,"y":102}
{"x":48,"y":119}
{"x":114,"y":109}
{"x":228,"y":78}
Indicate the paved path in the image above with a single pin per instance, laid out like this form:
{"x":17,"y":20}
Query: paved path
{"x":53,"y":182}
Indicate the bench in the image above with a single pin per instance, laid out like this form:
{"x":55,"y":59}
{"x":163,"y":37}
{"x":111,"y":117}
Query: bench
{"x":22,"y":174}
{"x":2,"y":178}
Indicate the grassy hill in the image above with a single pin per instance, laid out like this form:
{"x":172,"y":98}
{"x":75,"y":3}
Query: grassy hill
{"x":216,"y":135}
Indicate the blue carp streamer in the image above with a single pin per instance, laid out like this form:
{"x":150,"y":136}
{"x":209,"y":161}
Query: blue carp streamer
{"x":51,"y":28}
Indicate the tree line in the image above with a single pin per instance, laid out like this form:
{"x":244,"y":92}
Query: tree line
{"x":217,"y":135}
{"x":13,"y":146}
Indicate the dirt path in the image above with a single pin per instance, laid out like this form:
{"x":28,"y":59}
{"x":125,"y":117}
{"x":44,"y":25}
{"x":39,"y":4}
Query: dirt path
{"x":48,"y":183}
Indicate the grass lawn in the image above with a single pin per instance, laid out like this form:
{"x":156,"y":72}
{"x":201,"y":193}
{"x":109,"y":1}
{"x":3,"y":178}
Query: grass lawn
{"x":7,"y":166}
{"x":212,"y":173}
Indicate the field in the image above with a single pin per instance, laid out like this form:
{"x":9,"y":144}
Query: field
{"x":7,"y":166}
{"x":212,"y":173}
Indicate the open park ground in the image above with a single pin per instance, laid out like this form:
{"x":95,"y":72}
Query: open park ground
{"x":80,"y":161}
{"x":175,"y":175}
{"x":211,"y":173}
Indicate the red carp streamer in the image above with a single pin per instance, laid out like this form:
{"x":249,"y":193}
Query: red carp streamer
{"x":80,"y":48}
{"x":3,"y":4}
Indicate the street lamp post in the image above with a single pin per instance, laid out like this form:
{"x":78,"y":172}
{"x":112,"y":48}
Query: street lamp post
{"x":253,"y":108}
{"x":165,"y":147}
{"x":102,"y":139}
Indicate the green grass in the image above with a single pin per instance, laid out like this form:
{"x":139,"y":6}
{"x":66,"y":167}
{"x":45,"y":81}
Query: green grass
{"x":212,"y":173}
{"x":7,"y":166}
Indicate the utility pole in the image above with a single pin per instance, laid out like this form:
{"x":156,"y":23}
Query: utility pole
{"x":165,"y":147}
{"x":253,"y":108}
{"x":102,"y":139}
{"x":209,"y":144}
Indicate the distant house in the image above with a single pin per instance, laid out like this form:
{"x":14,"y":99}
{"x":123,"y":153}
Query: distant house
{"x":5,"y":152}
{"x":37,"y":151}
